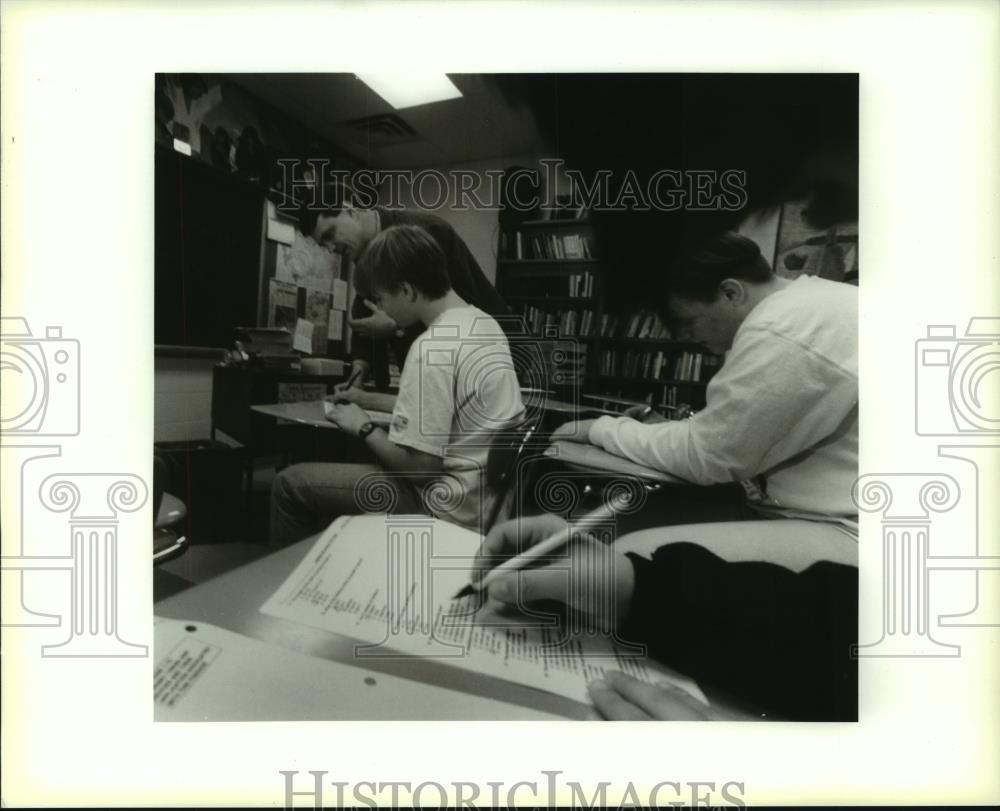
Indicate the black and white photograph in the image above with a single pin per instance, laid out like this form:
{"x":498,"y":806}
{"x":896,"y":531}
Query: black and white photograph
{"x":573,"y":388}
{"x":490,"y":379}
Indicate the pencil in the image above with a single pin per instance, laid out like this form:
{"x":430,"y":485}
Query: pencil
{"x":549,"y":545}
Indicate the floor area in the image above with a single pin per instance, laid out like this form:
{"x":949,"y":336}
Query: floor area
{"x":203,"y":561}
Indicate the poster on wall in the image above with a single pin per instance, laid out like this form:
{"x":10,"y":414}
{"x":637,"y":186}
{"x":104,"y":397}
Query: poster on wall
{"x":282,"y":304}
{"x":830,"y":253}
{"x":318,"y":313}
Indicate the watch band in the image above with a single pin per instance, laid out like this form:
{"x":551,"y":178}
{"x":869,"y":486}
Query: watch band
{"x":366,"y":429}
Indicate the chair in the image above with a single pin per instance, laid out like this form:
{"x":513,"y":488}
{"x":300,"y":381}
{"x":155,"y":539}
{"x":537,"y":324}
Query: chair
{"x":506,"y":453}
{"x":169,"y":512}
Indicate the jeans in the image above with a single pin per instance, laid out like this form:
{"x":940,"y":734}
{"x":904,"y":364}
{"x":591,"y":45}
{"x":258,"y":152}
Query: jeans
{"x":306,"y":497}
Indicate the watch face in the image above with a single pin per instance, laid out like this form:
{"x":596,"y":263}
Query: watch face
{"x":366,"y":429}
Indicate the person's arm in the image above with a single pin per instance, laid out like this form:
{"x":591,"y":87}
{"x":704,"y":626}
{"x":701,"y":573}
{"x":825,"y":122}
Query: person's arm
{"x":368,"y":400}
{"x":771,"y":400}
{"x":401,"y":458}
{"x":350,"y":417}
{"x":360,"y":370}
{"x":778,"y":638}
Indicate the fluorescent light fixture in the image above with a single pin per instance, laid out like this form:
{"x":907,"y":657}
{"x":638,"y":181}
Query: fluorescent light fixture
{"x":404,"y":90}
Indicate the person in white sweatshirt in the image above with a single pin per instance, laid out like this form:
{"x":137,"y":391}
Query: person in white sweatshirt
{"x":777,"y":592}
{"x":781,"y":415}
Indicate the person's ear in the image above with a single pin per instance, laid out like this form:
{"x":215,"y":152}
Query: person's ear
{"x":733,"y":292}
{"x":408,"y":290}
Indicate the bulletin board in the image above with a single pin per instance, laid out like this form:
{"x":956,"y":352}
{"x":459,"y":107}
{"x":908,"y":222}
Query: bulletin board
{"x":307,"y":288}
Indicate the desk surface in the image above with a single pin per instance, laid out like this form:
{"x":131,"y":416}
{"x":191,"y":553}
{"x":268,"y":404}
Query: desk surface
{"x":231,"y":601}
{"x":589,"y":458}
{"x":308,"y":413}
{"x":311,"y":413}
{"x":562,"y":406}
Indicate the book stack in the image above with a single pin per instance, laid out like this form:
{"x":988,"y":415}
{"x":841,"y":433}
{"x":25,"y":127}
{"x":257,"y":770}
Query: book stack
{"x":269,"y":347}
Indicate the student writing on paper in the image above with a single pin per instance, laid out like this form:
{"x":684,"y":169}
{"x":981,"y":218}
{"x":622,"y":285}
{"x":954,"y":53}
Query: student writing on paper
{"x":771,"y":626}
{"x":781,"y":415}
{"x":457,"y":387}
{"x":347,"y":227}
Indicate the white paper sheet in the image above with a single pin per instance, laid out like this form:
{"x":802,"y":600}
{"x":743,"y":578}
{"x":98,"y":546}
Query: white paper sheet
{"x":303,"y":340}
{"x":346,"y":586}
{"x":335,"y":329}
{"x":339,"y":294}
{"x":207,"y":673}
{"x":278,"y":231}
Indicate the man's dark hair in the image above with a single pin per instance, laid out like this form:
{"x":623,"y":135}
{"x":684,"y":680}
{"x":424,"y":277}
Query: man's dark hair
{"x":328,"y":200}
{"x":697,"y":272}
{"x":403,"y":253}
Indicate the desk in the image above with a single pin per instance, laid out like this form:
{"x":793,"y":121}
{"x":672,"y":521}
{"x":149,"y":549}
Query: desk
{"x":232,"y":600}
{"x":591,"y":459}
{"x":554,"y":406}
{"x":312,"y":413}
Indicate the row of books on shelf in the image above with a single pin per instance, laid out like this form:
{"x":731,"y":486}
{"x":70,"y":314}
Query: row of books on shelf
{"x":581,"y":284}
{"x":521,"y":245}
{"x":566,"y":323}
{"x":693,"y":367}
{"x":643,"y":324}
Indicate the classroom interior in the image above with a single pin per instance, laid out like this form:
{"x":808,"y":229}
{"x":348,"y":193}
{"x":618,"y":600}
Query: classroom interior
{"x":251,"y":313}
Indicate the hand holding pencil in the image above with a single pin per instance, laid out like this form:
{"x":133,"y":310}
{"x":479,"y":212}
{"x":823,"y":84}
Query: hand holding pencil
{"x":576,"y":568}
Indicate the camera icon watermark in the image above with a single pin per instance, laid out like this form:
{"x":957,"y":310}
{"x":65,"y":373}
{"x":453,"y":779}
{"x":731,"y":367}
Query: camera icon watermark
{"x":957,"y":387}
{"x":41,"y":381}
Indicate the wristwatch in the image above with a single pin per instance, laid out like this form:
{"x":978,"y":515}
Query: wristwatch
{"x":366,"y":429}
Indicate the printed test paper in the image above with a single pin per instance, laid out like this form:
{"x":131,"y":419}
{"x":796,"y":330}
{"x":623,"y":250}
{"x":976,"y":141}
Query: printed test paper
{"x":345,"y":585}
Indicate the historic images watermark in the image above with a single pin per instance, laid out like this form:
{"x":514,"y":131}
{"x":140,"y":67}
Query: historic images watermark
{"x":956,"y":397}
{"x":314,"y":184}
{"x":41,"y":401}
{"x":545,"y":791}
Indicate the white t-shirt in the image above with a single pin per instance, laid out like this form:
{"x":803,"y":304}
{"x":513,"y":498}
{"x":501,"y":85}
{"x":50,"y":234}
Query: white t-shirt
{"x":781,"y":414}
{"x":458,"y":387}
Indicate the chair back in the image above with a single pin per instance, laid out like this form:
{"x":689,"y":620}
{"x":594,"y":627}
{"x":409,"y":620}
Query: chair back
{"x":506,"y":452}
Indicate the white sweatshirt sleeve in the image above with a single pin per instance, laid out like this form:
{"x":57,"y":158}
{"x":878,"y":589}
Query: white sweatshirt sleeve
{"x":772,"y":399}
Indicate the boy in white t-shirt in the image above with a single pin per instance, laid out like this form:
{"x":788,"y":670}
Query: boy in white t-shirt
{"x":458,"y":388}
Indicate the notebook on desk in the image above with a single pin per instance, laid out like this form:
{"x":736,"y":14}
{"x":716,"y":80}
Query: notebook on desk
{"x":585,"y":455}
{"x":388,"y":581}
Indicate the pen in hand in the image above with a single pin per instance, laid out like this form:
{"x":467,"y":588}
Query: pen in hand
{"x":561,"y":538}
{"x":354,"y":377}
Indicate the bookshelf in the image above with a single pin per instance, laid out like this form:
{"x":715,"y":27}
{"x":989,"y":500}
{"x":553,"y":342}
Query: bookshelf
{"x":549,"y":274}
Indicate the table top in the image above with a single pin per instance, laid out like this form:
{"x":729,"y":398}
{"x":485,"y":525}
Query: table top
{"x":589,"y":458}
{"x":312,"y":413}
{"x":562,"y":406}
{"x":438,"y":691}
